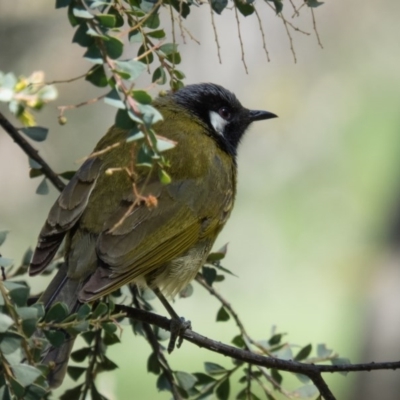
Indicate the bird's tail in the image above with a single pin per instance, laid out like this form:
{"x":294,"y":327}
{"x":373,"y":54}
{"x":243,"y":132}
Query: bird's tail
{"x":61,"y":289}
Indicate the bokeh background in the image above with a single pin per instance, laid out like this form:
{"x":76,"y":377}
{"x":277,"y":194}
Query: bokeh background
{"x":314,"y":235}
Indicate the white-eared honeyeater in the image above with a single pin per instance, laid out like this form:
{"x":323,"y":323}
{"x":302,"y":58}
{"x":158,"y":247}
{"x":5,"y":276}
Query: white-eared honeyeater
{"x":109,"y":243}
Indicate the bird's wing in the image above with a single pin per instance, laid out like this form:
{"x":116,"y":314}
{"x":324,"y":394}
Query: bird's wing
{"x":135,"y":243}
{"x":65,"y":213}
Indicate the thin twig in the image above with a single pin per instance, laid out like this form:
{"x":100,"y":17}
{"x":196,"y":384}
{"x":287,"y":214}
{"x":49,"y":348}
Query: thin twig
{"x":66,"y":80}
{"x":215,"y":33}
{"x":62,"y":109}
{"x":31,"y":152}
{"x":262,"y":34}
{"x":315,"y":27}
{"x":296,"y":11}
{"x":240,"y":40}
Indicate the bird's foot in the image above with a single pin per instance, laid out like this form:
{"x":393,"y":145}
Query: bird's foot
{"x":178,"y":327}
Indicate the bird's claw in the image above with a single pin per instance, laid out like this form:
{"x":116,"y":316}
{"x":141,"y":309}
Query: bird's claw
{"x":178,"y":328}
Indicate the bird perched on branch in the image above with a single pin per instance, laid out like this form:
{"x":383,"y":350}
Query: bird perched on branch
{"x":124,"y":228}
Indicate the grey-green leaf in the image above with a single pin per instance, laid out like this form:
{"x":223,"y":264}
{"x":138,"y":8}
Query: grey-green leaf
{"x":43,"y":187}
{"x":37,"y":133}
{"x":5,"y":322}
{"x":25,"y":374}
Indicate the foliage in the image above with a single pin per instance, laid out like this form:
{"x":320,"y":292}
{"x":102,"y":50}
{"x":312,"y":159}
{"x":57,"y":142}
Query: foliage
{"x":105,"y":28}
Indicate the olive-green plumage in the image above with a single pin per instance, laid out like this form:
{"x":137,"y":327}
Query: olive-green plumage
{"x":113,"y":238}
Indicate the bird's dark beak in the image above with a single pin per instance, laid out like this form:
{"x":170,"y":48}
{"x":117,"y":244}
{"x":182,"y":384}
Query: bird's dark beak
{"x":258,"y":115}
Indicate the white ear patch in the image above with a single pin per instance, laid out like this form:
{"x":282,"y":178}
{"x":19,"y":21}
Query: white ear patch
{"x":217,"y":122}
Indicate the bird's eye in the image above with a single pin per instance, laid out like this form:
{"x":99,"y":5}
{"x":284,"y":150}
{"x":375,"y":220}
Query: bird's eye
{"x":225,"y":113}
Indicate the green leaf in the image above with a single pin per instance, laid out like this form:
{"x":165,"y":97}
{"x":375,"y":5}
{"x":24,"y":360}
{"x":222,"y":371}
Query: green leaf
{"x":110,"y":339}
{"x":97,"y":76}
{"x":10,"y":342}
{"x":223,"y":390}
{"x":163,"y":383}
{"x":159,"y":76}
{"x":148,"y":59}
{"x":107,"y":364}
{"x":132,"y":68}
{"x":209,"y":275}
{"x":5,"y":322}
{"x":56,"y":338}
{"x":43,"y":187}
{"x":244,"y":8}
{"x":75,"y":372}
{"x":159,"y":34}
{"x":109,"y":327}
{"x":169,"y":48}
{"x":134,"y":135}
{"x":219,"y":5}
{"x":107,"y":20}
{"x":214,"y":369}
{"x":305,"y":392}
{"x":68,"y":175}
{"x":81,"y":354}
{"x":34,"y":164}
{"x":72,"y":393}
{"x":57,"y":312}
{"x":123,"y":121}
{"x":135,"y":37}
{"x":93,"y":55}
{"x":62,"y":3}
{"x":100,"y":310}
{"x":29,"y":326}
{"x":238,"y":341}
{"x":88,"y":336}
{"x":178,"y":74}
{"x":276,"y":376}
{"x":114,"y":47}
{"x":222,"y":314}
{"x":153,"y":365}
{"x":165,"y":179}
{"x":275,"y":339}
{"x":81,"y":37}
{"x":203,"y":379}
{"x":25,"y":374}
{"x":174,"y":58}
{"x":113,"y":99}
{"x":186,"y":381}
{"x":303,"y":353}
{"x":153,"y":22}
{"x":3,"y":235}
{"x":17,"y":388}
{"x":323,"y":351}
{"x":82,"y":13}
{"x":278,"y":5}
{"x":34,"y":173}
{"x":6,"y":262}
{"x":18,"y":293}
{"x":314,"y":3}
{"x":84,"y":311}
{"x":142,"y":96}
{"x":37,"y":133}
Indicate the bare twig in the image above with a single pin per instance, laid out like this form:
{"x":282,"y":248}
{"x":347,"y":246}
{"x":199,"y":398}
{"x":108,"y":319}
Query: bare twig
{"x":240,"y":40}
{"x":62,"y":109}
{"x":31,"y":152}
{"x":262,"y":33}
{"x":215,"y":33}
{"x":315,"y":27}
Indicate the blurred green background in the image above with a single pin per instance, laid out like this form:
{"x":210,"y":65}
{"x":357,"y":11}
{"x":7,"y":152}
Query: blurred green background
{"x":313,"y":234}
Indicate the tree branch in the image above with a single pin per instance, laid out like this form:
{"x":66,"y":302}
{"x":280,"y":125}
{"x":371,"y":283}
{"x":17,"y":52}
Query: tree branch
{"x":311,"y":370}
{"x":31,"y":152}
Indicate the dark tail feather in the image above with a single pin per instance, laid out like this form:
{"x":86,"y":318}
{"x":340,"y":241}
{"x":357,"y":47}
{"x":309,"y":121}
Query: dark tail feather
{"x":61,"y":289}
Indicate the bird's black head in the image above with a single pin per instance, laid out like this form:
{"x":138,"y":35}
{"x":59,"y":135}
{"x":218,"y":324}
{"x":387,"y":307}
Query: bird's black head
{"x":226,"y":119}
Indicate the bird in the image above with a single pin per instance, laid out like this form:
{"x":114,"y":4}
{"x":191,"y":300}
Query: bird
{"x":113,"y":236}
